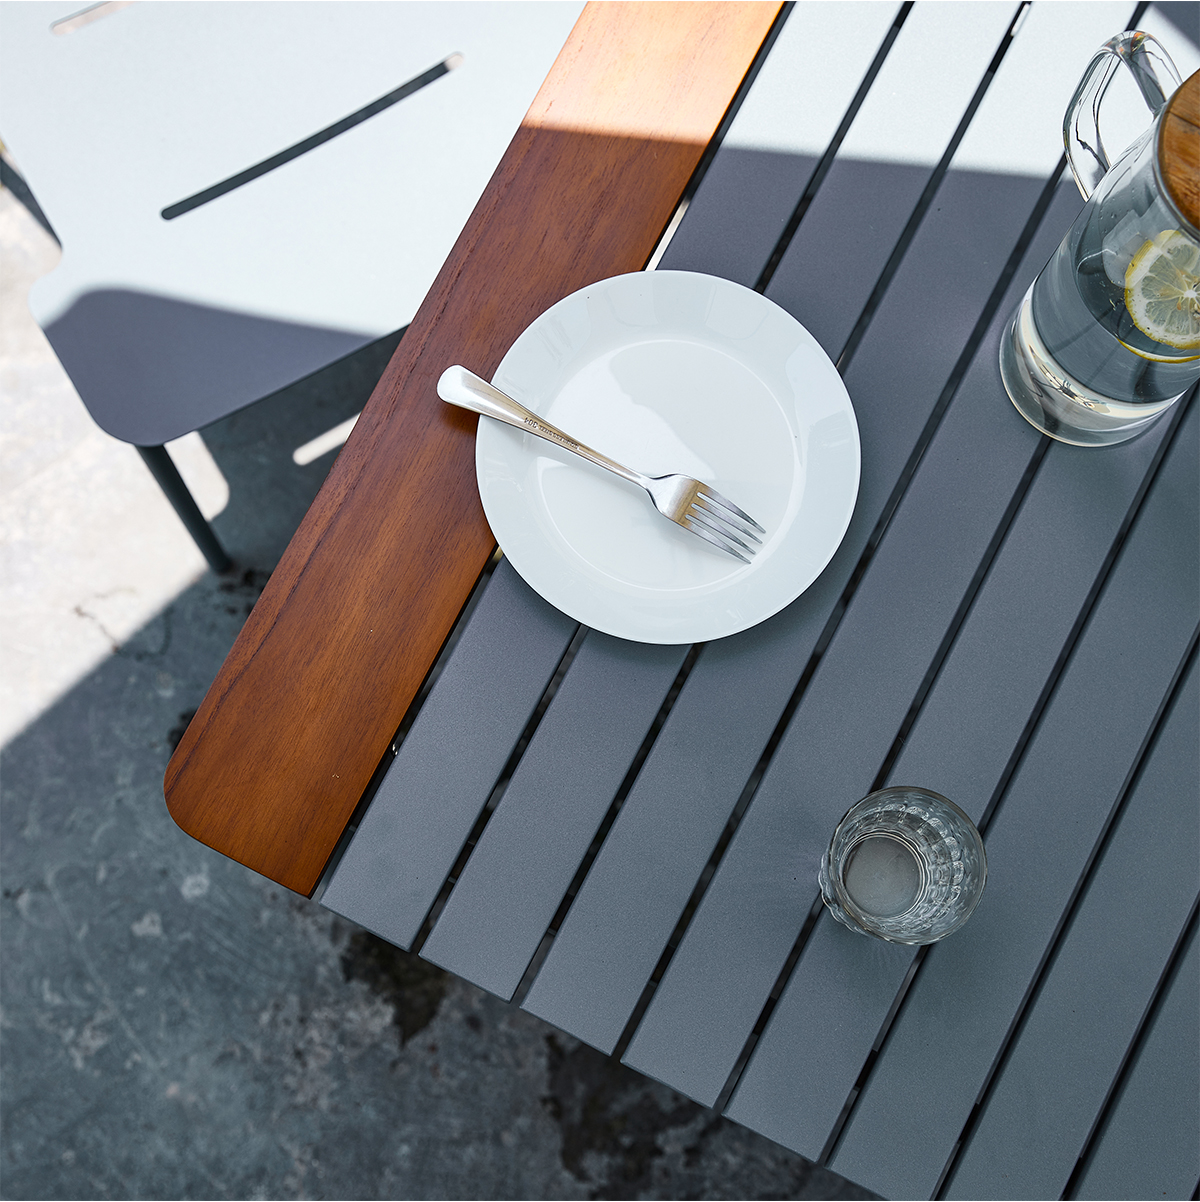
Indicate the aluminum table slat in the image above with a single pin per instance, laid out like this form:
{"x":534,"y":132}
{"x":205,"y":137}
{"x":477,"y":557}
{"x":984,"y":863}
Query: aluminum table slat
{"x":720,"y":978}
{"x":779,"y":135}
{"x":521,"y":867}
{"x":937,"y":1059}
{"x":889,"y":670}
{"x":1052,"y":1085}
{"x":612,"y":939}
{"x":964,"y":735}
{"x":1147,"y":1146}
{"x":614,"y":933}
{"x":407,"y":841}
{"x":901,"y":132}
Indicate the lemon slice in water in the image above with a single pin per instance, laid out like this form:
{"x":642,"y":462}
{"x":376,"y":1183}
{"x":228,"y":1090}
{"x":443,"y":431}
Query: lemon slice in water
{"x":1162,"y":290}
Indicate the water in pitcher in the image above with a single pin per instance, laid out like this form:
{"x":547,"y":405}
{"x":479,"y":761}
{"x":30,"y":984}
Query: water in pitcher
{"x":1116,"y":305}
{"x":1117,"y":308}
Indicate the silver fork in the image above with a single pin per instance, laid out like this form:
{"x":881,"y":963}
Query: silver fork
{"x":690,"y":503}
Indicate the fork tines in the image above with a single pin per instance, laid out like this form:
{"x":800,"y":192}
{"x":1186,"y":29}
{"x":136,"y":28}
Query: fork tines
{"x":719,"y":521}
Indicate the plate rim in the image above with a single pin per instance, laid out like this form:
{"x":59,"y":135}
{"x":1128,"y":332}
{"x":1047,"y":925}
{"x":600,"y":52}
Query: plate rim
{"x":631,"y":631}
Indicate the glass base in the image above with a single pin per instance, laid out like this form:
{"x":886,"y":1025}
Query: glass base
{"x":1056,"y":403}
{"x":905,"y":864}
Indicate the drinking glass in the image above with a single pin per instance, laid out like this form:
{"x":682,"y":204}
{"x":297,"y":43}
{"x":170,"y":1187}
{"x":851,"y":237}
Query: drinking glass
{"x":905,"y":865}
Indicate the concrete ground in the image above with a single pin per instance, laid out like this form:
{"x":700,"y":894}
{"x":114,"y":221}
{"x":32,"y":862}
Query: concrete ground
{"x":173,"y":1025}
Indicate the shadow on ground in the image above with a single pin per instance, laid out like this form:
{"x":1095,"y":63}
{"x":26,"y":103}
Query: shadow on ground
{"x":175,"y":1026}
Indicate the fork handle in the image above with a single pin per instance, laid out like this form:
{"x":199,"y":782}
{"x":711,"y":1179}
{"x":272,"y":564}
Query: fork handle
{"x":464,"y":388}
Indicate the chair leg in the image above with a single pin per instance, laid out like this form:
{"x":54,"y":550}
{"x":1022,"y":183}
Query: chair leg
{"x":163,"y":469}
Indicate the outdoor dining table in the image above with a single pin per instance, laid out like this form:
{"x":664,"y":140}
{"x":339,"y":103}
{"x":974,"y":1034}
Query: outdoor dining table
{"x":624,"y":837}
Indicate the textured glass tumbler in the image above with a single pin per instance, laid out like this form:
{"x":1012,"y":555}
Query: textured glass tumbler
{"x":906,"y":865}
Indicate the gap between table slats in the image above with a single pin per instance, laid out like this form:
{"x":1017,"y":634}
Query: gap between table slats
{"x":938,"y":1058}
{"x":617,"y":927}
{"x":1154,"y":1113}
{"x":973,"y":714}
{"x":714,"y":989}
{"x":767,"y":172}
{"x":364,"y":879}
{"x":1102,"y":977}
{"x":522,"y":866}
{"x":486,"y":974}
{"x":408,"y":840}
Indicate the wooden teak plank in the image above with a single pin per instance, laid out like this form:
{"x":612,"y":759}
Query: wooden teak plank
{"x":407,"y":842}
{"x":286,"y":741}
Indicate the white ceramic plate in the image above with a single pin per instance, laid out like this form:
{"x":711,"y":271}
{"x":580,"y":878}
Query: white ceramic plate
{"x":669,"y":371}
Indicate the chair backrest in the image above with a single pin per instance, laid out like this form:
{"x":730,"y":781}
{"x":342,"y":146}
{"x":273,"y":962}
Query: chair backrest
{"x":246,"y":192}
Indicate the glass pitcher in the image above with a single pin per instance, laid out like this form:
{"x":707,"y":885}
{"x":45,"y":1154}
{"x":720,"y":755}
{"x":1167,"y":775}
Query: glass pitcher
{"x":1108,"y":336}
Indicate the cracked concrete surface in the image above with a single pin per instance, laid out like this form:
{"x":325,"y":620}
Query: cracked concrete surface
{"x":173,"y":1025}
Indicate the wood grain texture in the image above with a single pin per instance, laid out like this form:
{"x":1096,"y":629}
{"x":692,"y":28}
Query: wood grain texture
{"x":278,"y":755}
{"x":1179,"y":148}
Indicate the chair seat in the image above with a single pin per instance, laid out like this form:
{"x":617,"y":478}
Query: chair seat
{"x":167,"y":325}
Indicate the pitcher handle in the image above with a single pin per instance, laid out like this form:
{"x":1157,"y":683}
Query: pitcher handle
{"x":1156,"y":78}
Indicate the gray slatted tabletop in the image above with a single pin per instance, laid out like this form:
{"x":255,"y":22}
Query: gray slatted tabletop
{"x":1009,"y":621}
